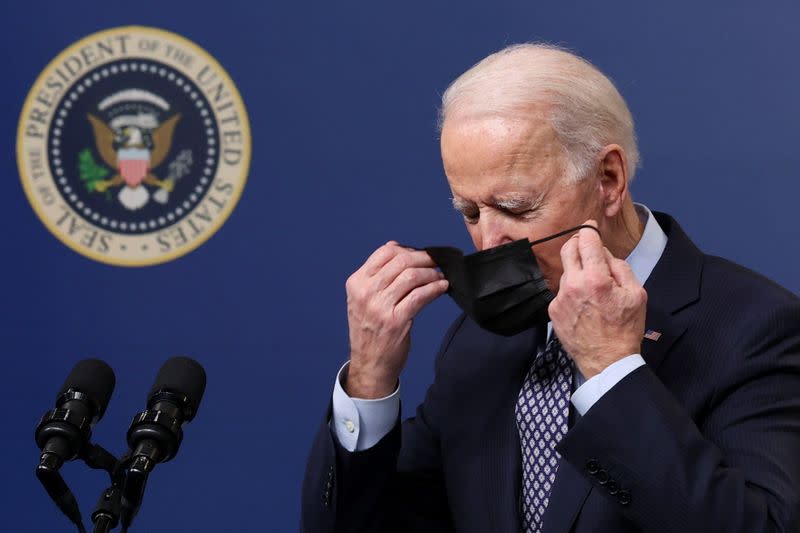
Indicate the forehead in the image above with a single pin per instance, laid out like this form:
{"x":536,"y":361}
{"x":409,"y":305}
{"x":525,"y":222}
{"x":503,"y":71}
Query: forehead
{"x":487,"y":155}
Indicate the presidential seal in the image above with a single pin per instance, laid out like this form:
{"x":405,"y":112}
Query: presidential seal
{"x":133,"y":146}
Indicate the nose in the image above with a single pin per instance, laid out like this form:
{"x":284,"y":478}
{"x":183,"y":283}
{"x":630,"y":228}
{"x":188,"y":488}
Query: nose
{"x":492,"y":231}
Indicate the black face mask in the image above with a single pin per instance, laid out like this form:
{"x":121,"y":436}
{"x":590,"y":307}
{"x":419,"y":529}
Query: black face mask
{"x":502,"y":289}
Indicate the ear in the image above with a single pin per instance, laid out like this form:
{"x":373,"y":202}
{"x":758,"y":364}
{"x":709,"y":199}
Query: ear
{"x":613,"y":176}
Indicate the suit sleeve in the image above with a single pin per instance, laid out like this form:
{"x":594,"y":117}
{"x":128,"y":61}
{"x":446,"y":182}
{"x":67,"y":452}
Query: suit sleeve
{"x":738,"y":471}
{"x":396,"y":485}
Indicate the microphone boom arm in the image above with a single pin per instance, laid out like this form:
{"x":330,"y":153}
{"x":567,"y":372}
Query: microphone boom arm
{"x":48,"y":474}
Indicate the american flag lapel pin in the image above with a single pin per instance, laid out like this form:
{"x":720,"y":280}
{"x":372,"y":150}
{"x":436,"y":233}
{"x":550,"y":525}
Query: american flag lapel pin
{"x":652,"y":334}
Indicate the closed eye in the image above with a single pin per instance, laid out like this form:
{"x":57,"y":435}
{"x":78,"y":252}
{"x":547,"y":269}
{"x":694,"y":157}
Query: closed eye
{"x":468,"y":210}
{"x":471,"y":218}
{"x":519,"y":207}
{"x":513,"y":212}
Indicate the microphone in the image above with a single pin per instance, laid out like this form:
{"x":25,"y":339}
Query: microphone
{"x":156,"y":433}
{"x":63,"y":433}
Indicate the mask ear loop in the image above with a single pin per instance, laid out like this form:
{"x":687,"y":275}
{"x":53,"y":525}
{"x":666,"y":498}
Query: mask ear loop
{"x":566,"y":232}
{"x":534,"y":243}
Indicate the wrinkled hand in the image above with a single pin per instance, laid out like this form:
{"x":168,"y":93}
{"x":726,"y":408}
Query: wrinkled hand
{"x":599,"y":312}
{"x":383,"y":297}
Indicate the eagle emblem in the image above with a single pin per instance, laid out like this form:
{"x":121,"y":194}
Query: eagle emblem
{"x":133,"y":143}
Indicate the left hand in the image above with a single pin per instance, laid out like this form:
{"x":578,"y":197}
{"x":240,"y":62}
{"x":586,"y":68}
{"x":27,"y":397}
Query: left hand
{"x":599,"y":312}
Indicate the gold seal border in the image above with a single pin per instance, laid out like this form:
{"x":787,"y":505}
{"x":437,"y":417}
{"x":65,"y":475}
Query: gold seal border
{"x":244,"y":166}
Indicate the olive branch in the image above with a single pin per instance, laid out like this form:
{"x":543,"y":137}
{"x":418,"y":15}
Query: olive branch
{"x":89,"y":171}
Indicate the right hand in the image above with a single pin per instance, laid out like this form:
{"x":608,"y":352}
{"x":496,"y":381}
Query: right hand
{"x":383,"y":297}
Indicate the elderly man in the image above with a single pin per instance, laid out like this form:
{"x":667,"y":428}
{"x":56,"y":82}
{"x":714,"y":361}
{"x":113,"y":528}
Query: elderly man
{"x":659,"y":392}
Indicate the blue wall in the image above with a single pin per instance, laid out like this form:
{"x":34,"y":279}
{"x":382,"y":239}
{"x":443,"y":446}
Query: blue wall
{"x":342,"y":99}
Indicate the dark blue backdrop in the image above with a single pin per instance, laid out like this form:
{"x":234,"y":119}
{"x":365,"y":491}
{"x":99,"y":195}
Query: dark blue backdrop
{"x":342,"y":99}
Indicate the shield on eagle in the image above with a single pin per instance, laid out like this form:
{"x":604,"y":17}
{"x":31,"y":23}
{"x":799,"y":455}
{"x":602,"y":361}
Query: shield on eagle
{"x":133,"y":165}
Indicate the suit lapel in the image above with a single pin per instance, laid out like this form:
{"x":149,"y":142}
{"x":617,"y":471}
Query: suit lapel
{"x":664,"y":330}
{"x":673,"y":285}
{"x":675,"y":280}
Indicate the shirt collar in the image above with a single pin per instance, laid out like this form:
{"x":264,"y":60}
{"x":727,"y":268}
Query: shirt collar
{"x":648,"y":250}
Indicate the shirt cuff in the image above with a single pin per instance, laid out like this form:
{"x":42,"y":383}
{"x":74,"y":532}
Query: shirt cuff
{"x":587,"y":394}
{"x":360,"y":424}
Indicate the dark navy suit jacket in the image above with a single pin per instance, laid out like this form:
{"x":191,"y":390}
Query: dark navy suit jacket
{"x":705,"y":437}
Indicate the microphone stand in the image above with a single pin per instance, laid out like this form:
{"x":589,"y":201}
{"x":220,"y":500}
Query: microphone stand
{"x":106,"y":515}
{"x":107,"y":511}
{"x":120,"y":502}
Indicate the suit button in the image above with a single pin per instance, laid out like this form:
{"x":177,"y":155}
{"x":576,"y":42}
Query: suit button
{"x":602,"y":477}
{"x":624,"y":497}
{"x":592,"y":466}
{"x":612,"y":487}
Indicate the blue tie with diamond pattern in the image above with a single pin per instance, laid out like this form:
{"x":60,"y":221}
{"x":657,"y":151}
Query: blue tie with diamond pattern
{"x":542,"y":413}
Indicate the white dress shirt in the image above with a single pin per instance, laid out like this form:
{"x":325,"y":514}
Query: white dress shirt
{"x":359,"y":424}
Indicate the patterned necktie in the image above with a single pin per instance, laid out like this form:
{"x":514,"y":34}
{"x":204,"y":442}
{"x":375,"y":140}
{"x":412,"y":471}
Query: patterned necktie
{"x":542,"y":420}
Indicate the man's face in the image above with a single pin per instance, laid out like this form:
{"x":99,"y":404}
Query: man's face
{"x":507,"y":179}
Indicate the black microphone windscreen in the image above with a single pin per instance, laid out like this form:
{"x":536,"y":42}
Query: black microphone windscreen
{"x":94,"y":378}
{"x":182,"y":375}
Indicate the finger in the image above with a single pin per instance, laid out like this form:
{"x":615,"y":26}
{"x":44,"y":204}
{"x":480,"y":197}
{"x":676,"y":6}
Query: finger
{"x":379,"y":258}
{"x":570,"y":256}
{"x":414,"y":301}
{"x":404,"y":260}
{"x":591,"y":249}
{"x":614,"y":269}
{"x":620,"y":271}
{"x":407,"y":281}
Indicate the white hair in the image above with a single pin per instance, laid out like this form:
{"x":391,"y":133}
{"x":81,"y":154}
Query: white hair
{"x":582,"y":105}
